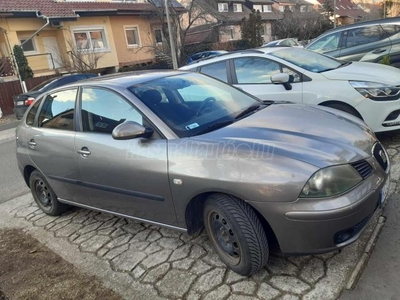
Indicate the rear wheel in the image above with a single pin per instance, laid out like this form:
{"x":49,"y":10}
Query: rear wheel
{"x":236,"y":233}
{"x":44,"y":196}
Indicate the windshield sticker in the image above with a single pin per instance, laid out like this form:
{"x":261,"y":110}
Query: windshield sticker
{"x":192,"y":126}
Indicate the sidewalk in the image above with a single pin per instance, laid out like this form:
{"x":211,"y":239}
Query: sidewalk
{"x":7,"y":135}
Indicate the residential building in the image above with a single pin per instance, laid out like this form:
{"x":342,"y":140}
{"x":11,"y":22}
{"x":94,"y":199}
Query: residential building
{"x":55,"y":33}
{"x":345,"y":11}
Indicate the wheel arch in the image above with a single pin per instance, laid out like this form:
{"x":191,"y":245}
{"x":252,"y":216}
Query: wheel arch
{"x":194,"y":215}
{"x":27,"y":173}
{"x":330,"y":102}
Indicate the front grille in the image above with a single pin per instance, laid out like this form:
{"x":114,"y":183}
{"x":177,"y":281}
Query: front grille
{"x":363,"y":168}
{"x":380,"y":156}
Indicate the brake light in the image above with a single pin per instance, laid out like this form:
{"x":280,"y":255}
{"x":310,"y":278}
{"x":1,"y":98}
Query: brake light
{"x":29,"y":101}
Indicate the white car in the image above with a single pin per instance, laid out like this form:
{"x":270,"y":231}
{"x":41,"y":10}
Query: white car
{"x":289,"y":42}
{"x":367,"y":90}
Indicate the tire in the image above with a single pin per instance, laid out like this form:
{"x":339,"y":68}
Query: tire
{"x":44,"y":195}
{"x":345,"y":108}
{"x":236,"y":233}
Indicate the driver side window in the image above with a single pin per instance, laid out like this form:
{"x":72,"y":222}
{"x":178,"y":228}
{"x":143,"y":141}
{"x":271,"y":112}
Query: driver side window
{"x":255,"y":70}
{"x":327,"y":43}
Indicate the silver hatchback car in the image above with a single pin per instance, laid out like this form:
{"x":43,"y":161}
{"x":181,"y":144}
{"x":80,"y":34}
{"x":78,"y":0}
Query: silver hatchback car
{"x":186,"y":151}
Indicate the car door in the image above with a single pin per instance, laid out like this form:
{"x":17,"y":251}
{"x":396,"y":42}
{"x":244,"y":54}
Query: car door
{"x":366,"y":43}
{"x":51,"y":142}
{"x":253,"y":75}
{"x":129,"y":177}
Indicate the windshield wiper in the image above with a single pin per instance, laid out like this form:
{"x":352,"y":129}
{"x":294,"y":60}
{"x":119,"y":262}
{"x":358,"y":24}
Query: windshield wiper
{"x":247,"y":111}
{"x":343,"y":64}
{"x":215,"y":126}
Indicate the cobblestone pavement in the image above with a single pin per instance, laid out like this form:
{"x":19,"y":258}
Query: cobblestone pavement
{"x":173,"y":265}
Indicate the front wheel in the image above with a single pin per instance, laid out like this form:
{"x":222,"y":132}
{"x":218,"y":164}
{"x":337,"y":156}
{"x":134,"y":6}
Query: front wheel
{"x":236,"y":233}
{"x":44,"y":196}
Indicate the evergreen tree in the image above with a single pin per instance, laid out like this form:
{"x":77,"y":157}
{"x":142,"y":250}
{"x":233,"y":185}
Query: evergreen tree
{"x":251,"y":29}
{"x":24,"y":70}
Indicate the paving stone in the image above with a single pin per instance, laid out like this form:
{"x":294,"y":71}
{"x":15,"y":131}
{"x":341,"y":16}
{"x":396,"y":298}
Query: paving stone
{"x":73,"y":237}
{"x":142,"y":235}
{"x":192,"y":295}
{"x":288,"y":297}
{"x":395,"y":172}
{"x":84,"y":237}
{"x":209,"y":281}
{"x":213,"y":259}
{"x":66,"y":216}
{"x":244,"y":287}
{"x":156,"y":274}
{"x":92,"y":227}
{"x":280,"y":266}
{"x":108,"y":224}
{"x":200,"y":267}
{"x":120,"y":222}
{"x":102,"y":252}
{"x":154,"y":236}
{"x":260,"y":276}
{"x":240,"y":297}
{"x":90,"y":221}
{"x":26,"y":211}
{"x":94,"y":243}
{"x":391,"y":152}
{"x":156,"y":258}
{"x":289,"y":284}
{"x":107,"y":231}
{"x":170,"y":233}
{"x":119,"y":241}
{"x":44,"y":221}
{"x":128,"y":260}
{"x":154,"y":247}
{"x":58,"y":225}
{"x":117,"y":233}
{"x":180,"y":253}
{"x":133,"y":228}
{"x":103,"y":217}
{"x":267,"y":292}
{"x":137,"y":272}
{"x":186,"y":237}
{"x":68,"y":230}
{"x":197,"y":252}
{"x":175,"y":283}
{"x":138,"y":246}
{"x":37,"y":217}
{"x":219,"y":294}
{"x":170,"y":243}
{"x":184,"y":264}
{"x":113,"y":253}
{"x":30,"y":216}
{"x":313,"y":271}
{"x":326,"y":256}
{"x":233,"y":277}
{"x":299,"y":260}
{"x":49,"y":226}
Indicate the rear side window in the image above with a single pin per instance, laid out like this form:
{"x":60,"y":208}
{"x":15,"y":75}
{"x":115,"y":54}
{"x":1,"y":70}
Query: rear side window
{"x":30,"y":118}
{"x":363,"y":35}
{"x":217,"y":70}
{"x":58,"y":110}
{"x":255,"y":70}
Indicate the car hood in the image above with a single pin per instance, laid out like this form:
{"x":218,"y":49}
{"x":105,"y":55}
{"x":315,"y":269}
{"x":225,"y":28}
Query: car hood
{"x":315,"y":135}
{"x":365,"y":71}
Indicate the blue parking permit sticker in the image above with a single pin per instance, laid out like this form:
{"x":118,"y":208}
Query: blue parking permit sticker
{"x":192,"y":126}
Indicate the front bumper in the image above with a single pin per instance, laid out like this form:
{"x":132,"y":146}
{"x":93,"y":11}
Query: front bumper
{"x":309,"y":226}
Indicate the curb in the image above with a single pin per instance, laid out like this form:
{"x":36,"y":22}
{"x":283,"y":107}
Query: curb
{"x":355,"y":275}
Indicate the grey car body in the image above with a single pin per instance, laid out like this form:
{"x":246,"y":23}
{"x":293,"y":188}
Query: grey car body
{"x":264,"y":158}
{"x":364,"y":41}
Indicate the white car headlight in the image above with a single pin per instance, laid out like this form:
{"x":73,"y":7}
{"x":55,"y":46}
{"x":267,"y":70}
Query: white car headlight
{"x":376,"y":91}
{"x":331,"y":181}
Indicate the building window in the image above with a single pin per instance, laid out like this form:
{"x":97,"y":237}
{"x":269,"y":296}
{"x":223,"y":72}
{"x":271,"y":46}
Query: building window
{"x":29,"y":47}
{"x":90,"y":39}
{"x":262,"y":30}
{"x":257,"y":8}
{"x":232,"y":33}
{"x":222,"y":7}
{"x":281,"y":8}
{"x":267,"y":8}
{"x":237,"y":7}
{"x":158,"y":36}
{"x":132,"y":36}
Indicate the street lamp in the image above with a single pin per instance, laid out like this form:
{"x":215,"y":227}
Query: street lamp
{"x":171,"y":39}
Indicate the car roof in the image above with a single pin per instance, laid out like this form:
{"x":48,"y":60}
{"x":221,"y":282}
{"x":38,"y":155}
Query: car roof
{"x":128,"y":79}
{"x":229,"y":55}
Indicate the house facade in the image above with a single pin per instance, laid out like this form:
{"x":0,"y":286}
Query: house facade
{"x":54,"y":34}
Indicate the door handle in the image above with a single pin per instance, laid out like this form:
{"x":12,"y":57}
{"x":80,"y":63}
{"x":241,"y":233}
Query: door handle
{"x":32,"y":144}
{"x":377,"y":51}
{"x":84,"y":152}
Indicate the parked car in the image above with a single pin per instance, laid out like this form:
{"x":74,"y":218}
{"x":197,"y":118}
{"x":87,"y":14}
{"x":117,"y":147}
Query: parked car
{"x":284,"y":43}
{"x":366,"y":90}
{"x":183,"y":150}
{"x":365,"y":41}
{"x":205,"y":54}
{"x":23,"y":101}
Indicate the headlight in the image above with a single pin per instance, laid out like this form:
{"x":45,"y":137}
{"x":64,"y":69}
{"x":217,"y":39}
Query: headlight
{"x":331,"y":181}
{"x":376,"y":91}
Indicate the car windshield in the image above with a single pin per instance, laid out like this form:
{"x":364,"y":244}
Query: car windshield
{"x":308,"y":60}
{"x":192,"y":104}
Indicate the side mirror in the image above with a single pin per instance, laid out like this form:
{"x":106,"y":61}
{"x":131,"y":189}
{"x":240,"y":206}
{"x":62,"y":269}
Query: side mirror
{"x":131,"y":130}
{"x":282,"y":78}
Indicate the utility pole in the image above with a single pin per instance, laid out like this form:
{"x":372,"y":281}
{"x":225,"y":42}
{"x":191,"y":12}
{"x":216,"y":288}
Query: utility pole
{"x":334,"y":14}
{"x":171,"y":38}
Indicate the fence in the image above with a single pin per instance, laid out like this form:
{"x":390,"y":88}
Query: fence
{"x":9,"y":89}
